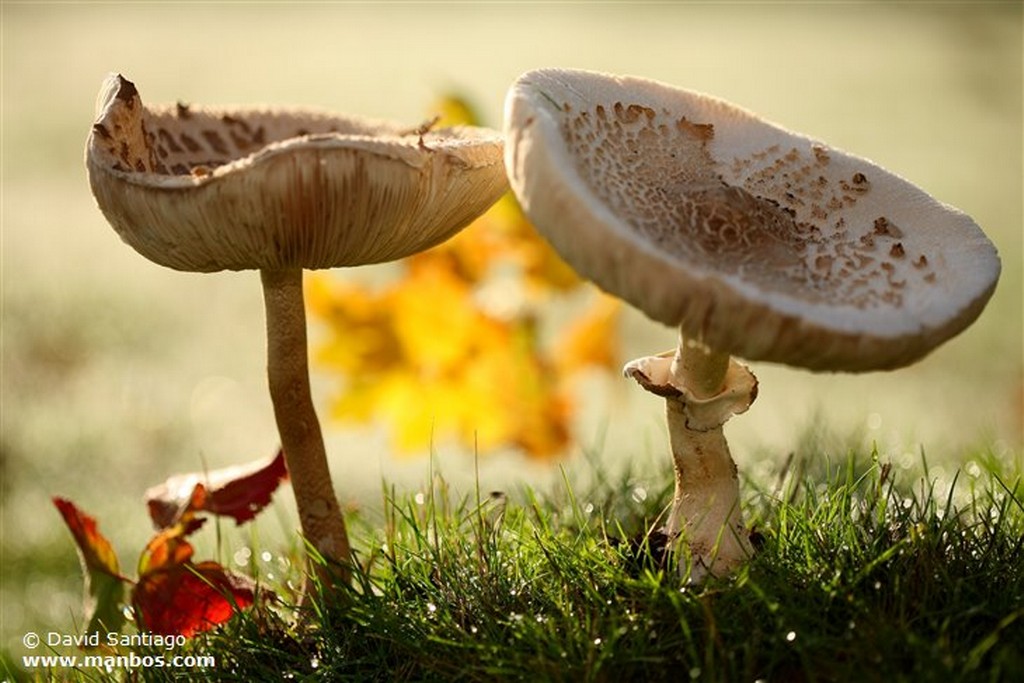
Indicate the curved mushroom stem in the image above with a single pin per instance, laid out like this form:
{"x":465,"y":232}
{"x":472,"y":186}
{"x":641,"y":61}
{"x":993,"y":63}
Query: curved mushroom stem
{"x":706,"y":504}
{"x":287,"y":369}
{"x":702,"y":388}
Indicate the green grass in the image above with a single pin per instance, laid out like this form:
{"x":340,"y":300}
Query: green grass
{"x":858,"y":577}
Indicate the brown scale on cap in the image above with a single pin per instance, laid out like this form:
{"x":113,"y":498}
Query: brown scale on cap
{"x":689,"y":211}
{"x":183,"y":140}
{"x":657,"y":173}
{"x":171,"y":140}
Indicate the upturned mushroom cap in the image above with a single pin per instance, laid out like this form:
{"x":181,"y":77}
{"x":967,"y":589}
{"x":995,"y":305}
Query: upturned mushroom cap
{"x":207,"y":189}
{"x":760,"y":242}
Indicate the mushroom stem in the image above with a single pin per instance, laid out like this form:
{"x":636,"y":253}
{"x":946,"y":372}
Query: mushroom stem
{"x":288,"y":373}
{"x":706,"y":504}
{"x":699,"y":368}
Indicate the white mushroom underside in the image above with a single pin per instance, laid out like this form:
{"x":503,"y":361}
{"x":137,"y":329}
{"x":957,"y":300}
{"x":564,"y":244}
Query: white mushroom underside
{"x":696,"y":199}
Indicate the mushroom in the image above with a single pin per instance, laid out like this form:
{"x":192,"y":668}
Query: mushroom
{"x":206,"y":189}
{"x":754,"y":241}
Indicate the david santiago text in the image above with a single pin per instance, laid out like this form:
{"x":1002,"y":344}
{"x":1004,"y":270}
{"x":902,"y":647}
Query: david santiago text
{"x":53,"y":639}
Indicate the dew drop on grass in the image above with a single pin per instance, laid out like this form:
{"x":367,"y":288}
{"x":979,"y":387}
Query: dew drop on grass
{"x":420,"y":499}
{"x":589,"y":508}
{"x":266,"y":556}
{"x":315,"y":663}
{"x":431,"y":607}
{"x":597,"y":641}
{"x":241,"y":557}
{"x":695,"y":672}
{"x":791,"y":636}
{"x":639,"y":494}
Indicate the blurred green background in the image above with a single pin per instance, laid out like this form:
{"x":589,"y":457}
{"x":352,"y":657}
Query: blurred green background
{"x":118,"y":373}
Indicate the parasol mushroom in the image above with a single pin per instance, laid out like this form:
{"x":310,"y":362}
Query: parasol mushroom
{"x":754,"y":241}
{"x":206,"y":189}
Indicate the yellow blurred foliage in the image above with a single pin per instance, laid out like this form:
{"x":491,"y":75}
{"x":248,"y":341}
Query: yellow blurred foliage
{"x":450,"y":349}
{"x":590,"y":339}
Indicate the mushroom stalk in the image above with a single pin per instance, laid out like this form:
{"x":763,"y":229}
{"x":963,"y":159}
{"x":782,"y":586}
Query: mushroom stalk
{"x":288,"y":373}
{"x":702,"y":388}
{"x":706,"y":503}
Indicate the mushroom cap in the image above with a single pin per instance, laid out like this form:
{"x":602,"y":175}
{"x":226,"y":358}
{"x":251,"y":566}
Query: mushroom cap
{"x":755,"y":240}
{"x":236,"y":188}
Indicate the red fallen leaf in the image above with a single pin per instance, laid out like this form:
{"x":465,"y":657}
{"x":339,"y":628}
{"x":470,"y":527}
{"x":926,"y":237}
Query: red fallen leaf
{"x":104,"y":585}
{"x":175,"y":596}
{"x":186,"y":599}
{"x":168,"y":549}
{"x":238,"y":492}
{"x":96,"y":550}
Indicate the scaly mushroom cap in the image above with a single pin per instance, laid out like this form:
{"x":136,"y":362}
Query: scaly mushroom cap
{"x":207,"y":189}
{"x":757,"y":241}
